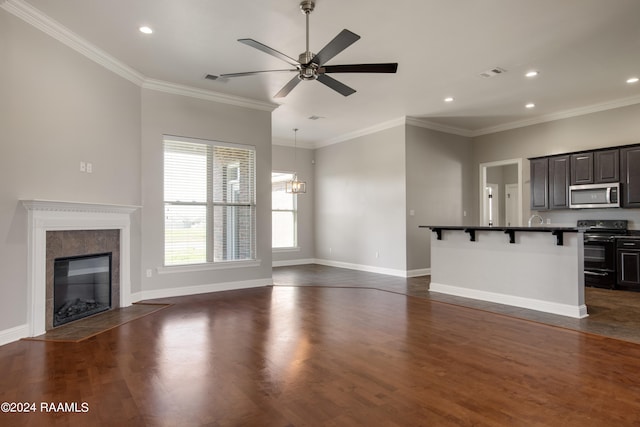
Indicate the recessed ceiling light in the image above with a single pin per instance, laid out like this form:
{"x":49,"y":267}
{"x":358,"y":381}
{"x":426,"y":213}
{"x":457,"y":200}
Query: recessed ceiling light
{"x":448,"y":99}
{"x":530,"y":105}
{"x":532,"y":73}
{"x":633,"y":80}
{"x":146,"y":30}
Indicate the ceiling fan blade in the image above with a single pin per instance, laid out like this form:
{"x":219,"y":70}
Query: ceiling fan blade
{"x":335,"y":85}
{"x":266,"y":49}
{"x":288,"y":87}
{"x":390,"y":67}
{"x":342,"y":41}
{"x":253,"y":73}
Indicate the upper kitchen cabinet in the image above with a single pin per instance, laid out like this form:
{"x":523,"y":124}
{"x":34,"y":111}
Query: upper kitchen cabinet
{"x":559,"y":177}
{"x":630,"y":176}
{"x":582,"y":168}
{"x":595,"y":167}
{"x":539,"y":183}
{"x":607,"y":166}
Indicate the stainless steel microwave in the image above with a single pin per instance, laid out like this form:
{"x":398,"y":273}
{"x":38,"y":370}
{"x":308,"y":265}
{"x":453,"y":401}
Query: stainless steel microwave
{"x":594,"y":196}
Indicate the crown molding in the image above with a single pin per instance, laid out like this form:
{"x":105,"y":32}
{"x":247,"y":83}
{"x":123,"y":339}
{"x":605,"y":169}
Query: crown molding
{"x":418,"y":122}
{"x":362,"y":132}
{"x":33,"y":16}
{"x":283,"y":142}
{"x":44,"y":23}
{"x":207,"y":95}
{"x":575,"y":112}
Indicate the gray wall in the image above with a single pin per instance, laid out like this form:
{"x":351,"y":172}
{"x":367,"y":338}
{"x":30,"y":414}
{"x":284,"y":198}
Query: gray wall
{"x":614,"y":127}
{"x":283,"y":160}
{"x":360,"y":201}
{"x":194,"y":118}
{"x":439,"y":177}
{"x":58,"y":108}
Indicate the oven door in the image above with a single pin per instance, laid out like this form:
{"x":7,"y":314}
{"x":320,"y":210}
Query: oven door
{"x":600,"y":261}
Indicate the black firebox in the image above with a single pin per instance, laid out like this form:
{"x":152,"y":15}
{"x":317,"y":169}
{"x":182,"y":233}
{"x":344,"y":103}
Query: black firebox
{"x":81,"y":287}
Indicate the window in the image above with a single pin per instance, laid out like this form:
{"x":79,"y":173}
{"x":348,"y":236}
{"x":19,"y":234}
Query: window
{"x":209,"y":201}
{"x":284,"y":216}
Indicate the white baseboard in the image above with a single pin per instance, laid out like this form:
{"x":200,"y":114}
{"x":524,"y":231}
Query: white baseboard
{"x":419,"y":272}
{"x":578,"y":312}
{"x":360,"y":267}
{"x":286,"y":263}
{"x":14,"y":334}
{"x":199,"y":289}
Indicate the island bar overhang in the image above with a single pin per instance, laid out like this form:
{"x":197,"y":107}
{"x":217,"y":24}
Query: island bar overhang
{"x":532,"y":272}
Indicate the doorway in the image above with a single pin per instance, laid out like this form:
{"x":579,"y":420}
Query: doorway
{"x":501,"y":193}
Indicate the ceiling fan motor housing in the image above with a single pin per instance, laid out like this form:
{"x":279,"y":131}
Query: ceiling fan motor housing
{"x":307,"y":6}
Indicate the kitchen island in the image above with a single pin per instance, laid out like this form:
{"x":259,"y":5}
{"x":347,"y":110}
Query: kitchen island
{"x":539,"y":268}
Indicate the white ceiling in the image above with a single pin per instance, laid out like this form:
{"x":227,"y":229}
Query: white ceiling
{"x":584,"y":50}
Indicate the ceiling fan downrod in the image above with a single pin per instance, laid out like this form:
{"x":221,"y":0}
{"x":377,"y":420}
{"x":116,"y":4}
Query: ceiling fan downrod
{"x":307,"y":72}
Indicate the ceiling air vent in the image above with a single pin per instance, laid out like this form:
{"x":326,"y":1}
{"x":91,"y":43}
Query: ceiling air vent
{"x":493,"y":72}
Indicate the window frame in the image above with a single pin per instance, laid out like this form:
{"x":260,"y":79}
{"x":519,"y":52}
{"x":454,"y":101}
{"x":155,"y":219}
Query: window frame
{"x":294,"y":211}
{"x":212,"y":204}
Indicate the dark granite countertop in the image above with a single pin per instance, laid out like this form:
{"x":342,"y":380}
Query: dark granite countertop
{"x":511,"y":231}
{"x":544,"y":228}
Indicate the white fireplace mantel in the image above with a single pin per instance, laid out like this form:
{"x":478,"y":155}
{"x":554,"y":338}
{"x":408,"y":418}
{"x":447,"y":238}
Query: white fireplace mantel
{"x":49,"y":215}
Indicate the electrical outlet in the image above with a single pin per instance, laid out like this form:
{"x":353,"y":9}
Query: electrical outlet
{"x":83,"y":167}
{"x":89,"y":167}
{"x":149,"y":272}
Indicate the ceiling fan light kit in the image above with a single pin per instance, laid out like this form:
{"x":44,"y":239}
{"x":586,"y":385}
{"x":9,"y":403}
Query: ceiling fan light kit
{"x":311,"y":66}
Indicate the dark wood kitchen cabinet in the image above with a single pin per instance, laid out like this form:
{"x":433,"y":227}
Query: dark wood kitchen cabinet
{"x":582,"y":168}
{"x":559,"y":178}
{"x":628,"y":264}
{"x":606,"y":165}
{"x":595,"y":167}
{"x":630,"y":176}
{"x":539,"y":172}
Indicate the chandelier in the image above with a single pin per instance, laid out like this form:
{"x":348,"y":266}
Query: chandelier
{"x":295,"y":186}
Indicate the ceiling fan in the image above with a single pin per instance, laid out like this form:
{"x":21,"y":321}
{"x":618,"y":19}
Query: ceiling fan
{"x":310,"y":66}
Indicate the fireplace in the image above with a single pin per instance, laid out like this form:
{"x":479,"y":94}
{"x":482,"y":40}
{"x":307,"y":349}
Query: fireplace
{"x":81,"y":287}
{"x":80,"y":251}
{"x":95,"y":229}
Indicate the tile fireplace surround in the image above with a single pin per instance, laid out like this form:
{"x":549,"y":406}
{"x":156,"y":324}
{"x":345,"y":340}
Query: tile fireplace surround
{"x":46,"y":216}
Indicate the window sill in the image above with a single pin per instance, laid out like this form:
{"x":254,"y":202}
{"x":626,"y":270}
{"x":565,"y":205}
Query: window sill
{"x":190,"y":268}
{"x":283,"y":250}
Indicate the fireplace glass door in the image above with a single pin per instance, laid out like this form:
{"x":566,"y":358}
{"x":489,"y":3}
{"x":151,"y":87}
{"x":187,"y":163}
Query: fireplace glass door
{"x":81,"y":287}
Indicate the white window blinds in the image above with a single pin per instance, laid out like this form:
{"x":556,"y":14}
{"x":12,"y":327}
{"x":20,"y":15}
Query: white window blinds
{"x":284,"y":212}
{"x":209,"y":198}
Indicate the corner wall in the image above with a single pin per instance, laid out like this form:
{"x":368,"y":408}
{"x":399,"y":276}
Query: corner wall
{"x":283,"y":161}
{"x":439,"y":189}
{"x":58,"y":108}
{"x":360,"y":202}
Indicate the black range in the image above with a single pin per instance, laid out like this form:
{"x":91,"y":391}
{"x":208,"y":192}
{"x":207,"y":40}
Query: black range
{"x":600,"y":251}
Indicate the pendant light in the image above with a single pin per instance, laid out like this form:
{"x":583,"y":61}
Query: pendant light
{"x":294,"y":186}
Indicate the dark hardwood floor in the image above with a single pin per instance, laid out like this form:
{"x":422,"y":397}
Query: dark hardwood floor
{"x":612,"y":313}
{"x":339,"y":353}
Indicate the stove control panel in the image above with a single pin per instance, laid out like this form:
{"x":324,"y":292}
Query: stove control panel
{"x":603,"y":224}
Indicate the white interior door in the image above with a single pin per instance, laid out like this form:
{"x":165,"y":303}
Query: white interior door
{"x":511,"y":205}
